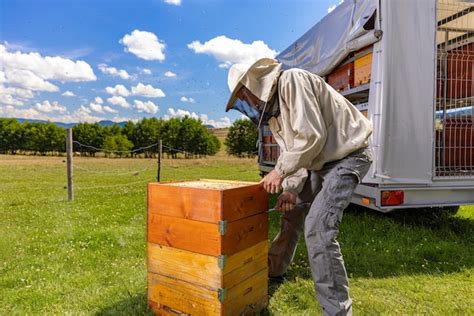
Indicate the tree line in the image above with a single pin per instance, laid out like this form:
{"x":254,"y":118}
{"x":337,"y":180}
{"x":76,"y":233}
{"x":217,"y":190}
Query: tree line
{"x":185,"y":136}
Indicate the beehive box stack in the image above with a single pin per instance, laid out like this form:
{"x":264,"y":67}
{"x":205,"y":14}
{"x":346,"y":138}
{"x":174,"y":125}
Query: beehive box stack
{"x":207,"y":248}
{"x":362,"y":67}
{"x":342,"y":78}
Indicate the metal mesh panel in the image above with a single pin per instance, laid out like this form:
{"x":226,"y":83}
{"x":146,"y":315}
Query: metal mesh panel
{"x":454,"y":117}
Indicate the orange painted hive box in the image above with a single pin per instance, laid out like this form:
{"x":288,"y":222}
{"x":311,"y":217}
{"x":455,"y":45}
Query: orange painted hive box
{"x":207,"y":247}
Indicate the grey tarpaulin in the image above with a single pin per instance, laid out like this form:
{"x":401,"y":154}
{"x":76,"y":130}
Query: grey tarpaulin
{"x":404,"y":83}
{"x":325,"y":45}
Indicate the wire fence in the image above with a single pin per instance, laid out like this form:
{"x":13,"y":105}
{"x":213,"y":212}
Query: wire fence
{"x":115,"y":151}
{"x":131,"y":172}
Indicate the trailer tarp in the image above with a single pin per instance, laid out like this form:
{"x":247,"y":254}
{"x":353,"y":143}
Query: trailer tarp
{"x":404,"y":80}
{"x":325,"y":45}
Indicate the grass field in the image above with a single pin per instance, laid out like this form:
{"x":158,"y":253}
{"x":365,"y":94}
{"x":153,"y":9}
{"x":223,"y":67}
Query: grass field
{"x":88,"y":256}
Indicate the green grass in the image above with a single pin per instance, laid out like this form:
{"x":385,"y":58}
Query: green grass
{"x":88,"y":256}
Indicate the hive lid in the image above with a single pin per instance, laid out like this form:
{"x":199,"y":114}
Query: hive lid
{"x":212,"y":184}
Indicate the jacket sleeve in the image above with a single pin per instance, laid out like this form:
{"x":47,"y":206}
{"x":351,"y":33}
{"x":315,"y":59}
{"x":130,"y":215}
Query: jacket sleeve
{"x":298,"y":93}
{"x":295,"y":182}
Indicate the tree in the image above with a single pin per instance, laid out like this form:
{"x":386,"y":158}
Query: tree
{"x":145,"y":133}
{"x":241,"y":139}
{"x":118,"y":143}
{"x":90,"y":135}
{"x":10,"y":135}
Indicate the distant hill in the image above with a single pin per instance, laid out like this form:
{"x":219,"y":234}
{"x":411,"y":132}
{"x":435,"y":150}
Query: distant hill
{"x":69,"y":125}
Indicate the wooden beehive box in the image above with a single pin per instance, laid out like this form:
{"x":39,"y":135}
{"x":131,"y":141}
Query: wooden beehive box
{"x":207,"y":247}
{"x":362,"y":69}
{"x":342,"y":78}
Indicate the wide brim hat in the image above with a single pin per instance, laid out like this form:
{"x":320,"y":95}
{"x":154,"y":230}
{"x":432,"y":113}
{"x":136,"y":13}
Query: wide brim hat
{"x":260,"y":78}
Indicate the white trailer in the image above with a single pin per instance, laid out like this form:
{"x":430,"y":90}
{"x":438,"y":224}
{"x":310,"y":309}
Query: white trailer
{"x":420,"y":97}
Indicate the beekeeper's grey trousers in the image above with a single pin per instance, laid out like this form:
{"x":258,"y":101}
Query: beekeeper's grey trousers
{"x":328,"y":192}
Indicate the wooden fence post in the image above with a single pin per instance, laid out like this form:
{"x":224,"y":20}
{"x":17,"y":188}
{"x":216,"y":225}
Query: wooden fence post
{"x":70,"y":193}
{"x":160,"y":153}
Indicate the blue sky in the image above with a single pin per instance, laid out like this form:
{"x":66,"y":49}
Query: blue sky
{"x":90,"y":60}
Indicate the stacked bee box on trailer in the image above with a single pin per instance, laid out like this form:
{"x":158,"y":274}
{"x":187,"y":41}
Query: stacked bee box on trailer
{"x":207,"y":247}
{"x":352,"y":72}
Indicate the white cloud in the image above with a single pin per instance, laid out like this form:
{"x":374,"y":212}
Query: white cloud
{"x":114,"y":71}
{"x":147,"y":91}
{"x":120,"y":101}
{"x":144,"y":45}
{"x":29,"y":80}
{"x":173,"y":2}
{"x":24,"y":73}
{"x":68,"y":94}
{"x":187,"y":100}
{"x":109,"y":109}
{"x":21,"y":93}
{"x":145,"y":71}
{"x":8,"y":99}
{"x":332,"y":7}
{"x":82,"y":114}
{"x":148,"y":106}
{"x":229,"y":51}
{"x":33,"y":65}
{"x":11,"y":111}
{"x":139,"y":90}
{"x":180,"y":114}
{"x":118,"y":90}
{"x":48,"y":107}
{"x":221,"y":123}
{"x":96,"y":107}
{"x":170,"y":74}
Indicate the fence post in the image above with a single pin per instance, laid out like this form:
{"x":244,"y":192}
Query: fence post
{"x":160,"y":153}
{"x":70,"y":193}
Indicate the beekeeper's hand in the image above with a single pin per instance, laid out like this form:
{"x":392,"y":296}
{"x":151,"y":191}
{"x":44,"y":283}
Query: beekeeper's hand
{"x":286,"y":201}
{"x":272,"y":182}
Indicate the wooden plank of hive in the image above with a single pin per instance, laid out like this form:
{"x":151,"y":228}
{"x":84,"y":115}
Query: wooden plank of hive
{"x":177,"y":296}
{"x":207,"y":200}
{"x":204,"y":270}
{"x":184,"y":234}
{"x":248,"y":297}
{"x":183,"y":297}
{"x":207,"y":238}
{"x":342,"y":78}
{"x":362,"y":70}
{"x":185,"y":265}
{"x":244,"y":233}
{"x":245,"y":263}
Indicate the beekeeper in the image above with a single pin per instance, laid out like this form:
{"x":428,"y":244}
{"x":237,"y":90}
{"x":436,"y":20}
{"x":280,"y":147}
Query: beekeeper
{"x":324,"y":154}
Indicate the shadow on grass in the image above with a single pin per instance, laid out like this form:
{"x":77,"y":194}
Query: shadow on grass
{"x":134,"y":305}
{"x":404,"y":242}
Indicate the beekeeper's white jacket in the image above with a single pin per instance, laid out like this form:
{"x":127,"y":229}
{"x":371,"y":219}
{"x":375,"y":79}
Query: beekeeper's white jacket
{"x":316,"y":125}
